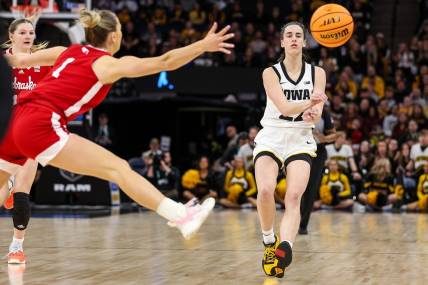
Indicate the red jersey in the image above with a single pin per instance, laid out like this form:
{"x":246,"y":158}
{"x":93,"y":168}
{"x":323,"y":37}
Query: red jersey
{"x":71,"y":87}
{"x":25,"y":79}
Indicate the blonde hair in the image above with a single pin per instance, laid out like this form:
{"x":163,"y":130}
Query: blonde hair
{"x":98,"y":24}
{"x":12,"y":28}
{"x":381,"y":168}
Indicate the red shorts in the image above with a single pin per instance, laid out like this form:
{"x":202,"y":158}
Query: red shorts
{"x":35,"y":132}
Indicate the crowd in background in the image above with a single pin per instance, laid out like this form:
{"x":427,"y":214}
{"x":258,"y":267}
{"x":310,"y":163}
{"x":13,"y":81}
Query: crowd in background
{"x":378,"y":98}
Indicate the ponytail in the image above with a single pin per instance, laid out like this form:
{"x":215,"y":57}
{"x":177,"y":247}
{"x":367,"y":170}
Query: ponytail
{"x":97,"y":24}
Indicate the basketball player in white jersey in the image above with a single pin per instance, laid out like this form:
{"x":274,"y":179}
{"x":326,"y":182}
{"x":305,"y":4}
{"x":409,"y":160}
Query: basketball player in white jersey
{"x":295,"y":98}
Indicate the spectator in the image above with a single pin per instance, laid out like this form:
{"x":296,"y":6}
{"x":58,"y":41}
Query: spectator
{"x":198,"y":17}
{"x":379,"y":188}
{"x":233,"y":150}
{"x":422,"y":192}
{"x":246,"y":151}
{"x":335,"y":190}
{"x":154,"y":150}
{"x":344,"y":155}
{"x":390,"y":121}
{"x":419,"y":154}
{"x":239,"y":186}
{"x":199,"y":183}
{"x":372,"y":79}
{"x":347,"y":86}
{"x":167,"y":177}
{"x":400,"y":128}
{"x":364,"y":159}
{"x":178,"y":17}
{"x":327,"y":62}
{"x":105,"y":134}
{"x":417,"y":114}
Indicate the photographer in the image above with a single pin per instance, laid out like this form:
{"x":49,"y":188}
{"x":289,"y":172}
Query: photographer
{"x":158,"y":170}
{"x":154,"y":148}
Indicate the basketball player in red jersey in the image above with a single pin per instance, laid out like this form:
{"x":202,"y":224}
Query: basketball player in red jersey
{"x":79,"y":80}
{"x":21,"y":34}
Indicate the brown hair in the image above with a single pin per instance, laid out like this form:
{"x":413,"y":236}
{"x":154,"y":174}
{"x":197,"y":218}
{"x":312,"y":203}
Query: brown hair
{"x":12,"y":28}
{"x":97,"y":24}
{"x":282,"y":57}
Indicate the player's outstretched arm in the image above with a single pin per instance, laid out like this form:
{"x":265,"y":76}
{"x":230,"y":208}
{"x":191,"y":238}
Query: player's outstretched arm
{"x":109,"y":69}
{"x":44,"y":57}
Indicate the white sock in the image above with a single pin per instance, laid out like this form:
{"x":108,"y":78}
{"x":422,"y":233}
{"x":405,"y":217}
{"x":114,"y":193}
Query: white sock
{"x":16,"y":244}
{"x":268,"y":236}
{"x":171,"y":210}
{"x":290,"y":243}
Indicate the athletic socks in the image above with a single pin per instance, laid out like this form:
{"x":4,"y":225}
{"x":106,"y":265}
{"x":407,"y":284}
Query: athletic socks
{"x":171,"y":210}
{"x":16,"y":244}
{"x":268,"y":236}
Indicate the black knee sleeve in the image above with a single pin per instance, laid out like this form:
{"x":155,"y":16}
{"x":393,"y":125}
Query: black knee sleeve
{"x":21,"y":210}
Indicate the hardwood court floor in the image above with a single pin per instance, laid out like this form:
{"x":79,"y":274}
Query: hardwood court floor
{"x":342,"y":248}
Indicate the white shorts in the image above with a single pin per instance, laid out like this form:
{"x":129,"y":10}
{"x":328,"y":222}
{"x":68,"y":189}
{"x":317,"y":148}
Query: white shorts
{"x":285,"y":144}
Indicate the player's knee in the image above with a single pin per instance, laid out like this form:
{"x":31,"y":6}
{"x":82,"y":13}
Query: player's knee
{"x":21,"y":210}
{"x":265,"y":191}
{"x":22,"y":186}
{"x":293,"y":199}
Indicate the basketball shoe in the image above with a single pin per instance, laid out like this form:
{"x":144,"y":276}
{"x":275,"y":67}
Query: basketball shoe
{"x":284,"y":256}
{"x":269,"y":261}
{"x":195,"y":216}
{"x":16,"y":257}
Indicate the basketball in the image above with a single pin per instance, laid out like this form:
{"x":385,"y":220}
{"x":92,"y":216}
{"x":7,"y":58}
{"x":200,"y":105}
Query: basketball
{"x":332,"y":25}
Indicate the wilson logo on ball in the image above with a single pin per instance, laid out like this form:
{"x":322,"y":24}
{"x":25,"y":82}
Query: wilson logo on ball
{"x":332,"y":25}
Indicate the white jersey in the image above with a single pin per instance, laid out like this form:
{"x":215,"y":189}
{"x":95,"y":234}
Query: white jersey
{"x":419,"y":155}
{"x":341,"y":155}
{"x":295,"y":92}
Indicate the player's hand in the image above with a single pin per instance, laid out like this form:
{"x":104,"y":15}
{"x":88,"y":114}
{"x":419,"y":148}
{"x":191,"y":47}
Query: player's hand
{"x":310,"y":114}
{"x":216,"y":41}
{"x":318,"y":97}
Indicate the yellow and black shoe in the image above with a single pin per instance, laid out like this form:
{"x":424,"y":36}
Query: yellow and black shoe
{"x":284,"y":256}
{"x":269,"y":262}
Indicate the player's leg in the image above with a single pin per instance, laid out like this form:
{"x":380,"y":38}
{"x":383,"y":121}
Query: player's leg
{"x":4,"y":189}
{"x":298,"y":171}
{"x":82,"y":156}
{"x":21,"y":210}
{"x":266,"y":171}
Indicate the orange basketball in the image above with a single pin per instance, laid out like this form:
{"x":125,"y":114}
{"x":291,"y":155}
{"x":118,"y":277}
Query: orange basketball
{"x":332,"y":25}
